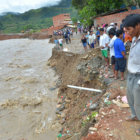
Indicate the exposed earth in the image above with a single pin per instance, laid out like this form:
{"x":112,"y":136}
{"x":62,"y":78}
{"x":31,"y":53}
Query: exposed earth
{"x":89,"y":115}
{"x":40,"y":35}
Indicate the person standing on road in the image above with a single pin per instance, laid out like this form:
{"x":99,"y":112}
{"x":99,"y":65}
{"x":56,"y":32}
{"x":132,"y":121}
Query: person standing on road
{"x":66,"y":37}
{"x":68,"y":33}
{"x":97,"y":35}
{"x":84,"y":42}
{"x":113,"y":37}
{"x":131,"y":26}
{"x":60,"y":43}
{"x":87,"y":37}
{"x":104,"y":40}
{"x":120,"y":55}
{"x":92,"y":38}
{"x":56,"y":42}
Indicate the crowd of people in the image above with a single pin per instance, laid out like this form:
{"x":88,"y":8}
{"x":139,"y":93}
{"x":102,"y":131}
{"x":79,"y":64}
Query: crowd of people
{"x":116,"y":41}
{"x":63,"y":31}
{"x":113,"y":42}
{"x":62,"y":36}
{"x":111,"y":39}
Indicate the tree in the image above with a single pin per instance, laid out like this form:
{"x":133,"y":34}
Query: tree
{"x":90,"y":8}
{"x":132,"y":2}
{"x":95,"y":7}
{"x":1,"y":26}
{"x":74,"y":20}
{"x":79,"y":4}
{"x":28,"y":26}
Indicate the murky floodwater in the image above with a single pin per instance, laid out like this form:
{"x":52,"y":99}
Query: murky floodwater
{"x":27,"y":105}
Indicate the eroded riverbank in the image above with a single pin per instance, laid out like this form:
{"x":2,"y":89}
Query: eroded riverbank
{"x":73,"y":105}
{"x":100,"y":116}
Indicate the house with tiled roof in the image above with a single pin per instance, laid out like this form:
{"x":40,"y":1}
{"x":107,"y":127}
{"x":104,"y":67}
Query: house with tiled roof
{"x":59,"y":22}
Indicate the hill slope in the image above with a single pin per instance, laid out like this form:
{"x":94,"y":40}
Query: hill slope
{"x":35,"y":19}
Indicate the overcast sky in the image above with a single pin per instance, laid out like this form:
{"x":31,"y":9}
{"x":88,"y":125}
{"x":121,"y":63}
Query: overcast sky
{"x":21,"y":6}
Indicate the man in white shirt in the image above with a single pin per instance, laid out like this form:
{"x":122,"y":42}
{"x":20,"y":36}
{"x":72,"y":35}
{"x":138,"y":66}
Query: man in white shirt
{"x":116,"y":26}
{"x":61,"y":43}
{"x":92,"y":38}
{"x":131,"y":26}
{"x":104,"y":40}
{"x":113,"y":37}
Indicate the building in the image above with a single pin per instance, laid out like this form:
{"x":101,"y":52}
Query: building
{"x":115,"y":16}
{"x":59,"y":22}
{"x":61,"y":19}
{"x":50,"y":30}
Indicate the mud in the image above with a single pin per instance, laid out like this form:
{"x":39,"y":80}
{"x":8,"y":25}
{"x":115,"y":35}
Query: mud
{"x":73,"y":68}
{"x":27,"y":103}
{"x":86,"y":115}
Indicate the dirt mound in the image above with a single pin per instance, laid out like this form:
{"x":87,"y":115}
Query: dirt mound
{"x":88,"y":115}
{"x":5,"y":37}
{"x":39,"y":36}
{"x":73,"y":109}
{"x":95,"y":136}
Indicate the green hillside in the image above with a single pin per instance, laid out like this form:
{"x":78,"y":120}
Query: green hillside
{"x":34,"y":19}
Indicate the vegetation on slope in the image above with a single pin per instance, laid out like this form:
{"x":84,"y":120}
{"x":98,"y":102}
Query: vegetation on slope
{"x":34,"y":19}
{"x":90,"y":8}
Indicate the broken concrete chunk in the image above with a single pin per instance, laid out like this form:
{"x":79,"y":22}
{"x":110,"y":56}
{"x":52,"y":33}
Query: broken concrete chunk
{"x":92,"y":129}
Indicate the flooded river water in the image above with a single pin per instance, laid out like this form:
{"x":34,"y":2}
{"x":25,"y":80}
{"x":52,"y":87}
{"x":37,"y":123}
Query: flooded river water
{"x":27,"y":103}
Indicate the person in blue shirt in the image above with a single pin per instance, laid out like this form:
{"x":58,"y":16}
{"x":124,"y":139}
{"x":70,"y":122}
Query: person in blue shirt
{"x":120,"y":57}
{"x":56,"y":42}
{"x":84,"y":42}
{"x":87,"y":37}
{"x":66,"y":37}
{"x":68,"y":33}
{"x":98,"y":35}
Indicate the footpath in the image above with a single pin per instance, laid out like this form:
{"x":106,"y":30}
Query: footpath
{"x":86,"y":115}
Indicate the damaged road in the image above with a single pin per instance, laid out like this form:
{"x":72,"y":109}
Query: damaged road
{"x":90,"y":115}
{"x":76,"y":109}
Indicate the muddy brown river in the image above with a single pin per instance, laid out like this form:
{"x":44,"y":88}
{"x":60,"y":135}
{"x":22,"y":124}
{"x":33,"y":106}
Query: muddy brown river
{"x":27,"y":101}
